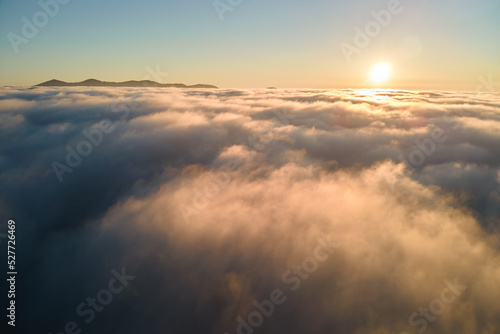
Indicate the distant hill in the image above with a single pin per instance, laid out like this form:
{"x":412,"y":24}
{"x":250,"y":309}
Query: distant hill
{"x":132,"y":83}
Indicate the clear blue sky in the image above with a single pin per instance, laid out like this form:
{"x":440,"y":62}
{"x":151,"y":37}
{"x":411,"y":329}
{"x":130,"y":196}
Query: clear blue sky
{"x":442,"y":44}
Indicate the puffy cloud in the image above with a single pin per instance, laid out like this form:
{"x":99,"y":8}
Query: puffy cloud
{"x":211,"y":197}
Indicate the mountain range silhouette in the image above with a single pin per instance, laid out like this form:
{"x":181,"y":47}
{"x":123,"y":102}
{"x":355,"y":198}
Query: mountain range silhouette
{"x":131,"y":83}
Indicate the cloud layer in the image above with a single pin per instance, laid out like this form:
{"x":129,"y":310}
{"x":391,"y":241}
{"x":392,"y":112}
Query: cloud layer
{"x":215,"y":198}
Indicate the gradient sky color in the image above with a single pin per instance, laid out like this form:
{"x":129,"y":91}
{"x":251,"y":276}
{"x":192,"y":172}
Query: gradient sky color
{"x":438,"y":44}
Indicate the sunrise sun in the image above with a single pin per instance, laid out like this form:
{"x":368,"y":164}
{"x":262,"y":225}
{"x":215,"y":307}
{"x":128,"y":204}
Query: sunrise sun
{"x":380,"y":73}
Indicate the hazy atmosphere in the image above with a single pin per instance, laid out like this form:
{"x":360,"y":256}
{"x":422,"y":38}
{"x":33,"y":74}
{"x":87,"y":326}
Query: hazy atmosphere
{"x":247,"y":167}
{"x":443,"y":44}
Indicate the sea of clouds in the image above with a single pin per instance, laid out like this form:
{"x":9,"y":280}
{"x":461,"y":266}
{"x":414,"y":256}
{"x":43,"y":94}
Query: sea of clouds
{"x":363,"y":211}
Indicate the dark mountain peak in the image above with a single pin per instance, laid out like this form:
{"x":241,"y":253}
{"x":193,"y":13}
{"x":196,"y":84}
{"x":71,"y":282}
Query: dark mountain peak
{"x":131,"y":83}
{"x":53,"y":82}
{"x":91,"y":82}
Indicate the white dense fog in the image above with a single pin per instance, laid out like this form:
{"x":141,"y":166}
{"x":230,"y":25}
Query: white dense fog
{"x":340,"y":211}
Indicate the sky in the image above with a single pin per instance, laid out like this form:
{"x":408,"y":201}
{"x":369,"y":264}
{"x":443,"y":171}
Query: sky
{"x":166,"y":210}
{"x":440,"y":44}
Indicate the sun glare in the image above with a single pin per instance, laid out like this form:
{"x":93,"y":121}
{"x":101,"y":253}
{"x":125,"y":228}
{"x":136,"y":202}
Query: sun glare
{"x":380,"y":73}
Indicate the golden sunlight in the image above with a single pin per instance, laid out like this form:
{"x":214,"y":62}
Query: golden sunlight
{"x":380,"y":73}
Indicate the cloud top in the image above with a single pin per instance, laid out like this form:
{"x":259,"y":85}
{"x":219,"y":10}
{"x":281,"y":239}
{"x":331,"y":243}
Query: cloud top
{"x":215,"y":198}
